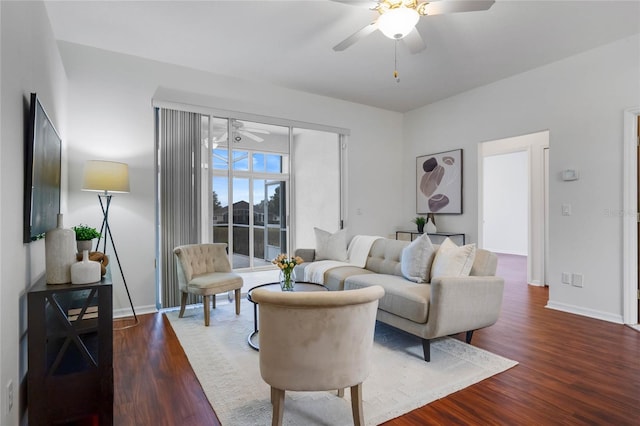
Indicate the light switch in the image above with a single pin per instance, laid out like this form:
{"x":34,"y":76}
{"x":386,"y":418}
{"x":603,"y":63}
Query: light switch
{"x":566,"y":210}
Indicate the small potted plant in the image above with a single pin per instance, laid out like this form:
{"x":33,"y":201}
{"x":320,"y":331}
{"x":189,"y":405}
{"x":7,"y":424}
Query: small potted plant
{"x":84,"y":235}
{"x":420,"y":221}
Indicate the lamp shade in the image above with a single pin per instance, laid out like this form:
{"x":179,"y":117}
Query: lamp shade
{"x":397,"y":23}
{"x":107,"y":176}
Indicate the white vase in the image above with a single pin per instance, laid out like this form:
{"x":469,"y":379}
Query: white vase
{"x":86,"y":271}
{"x":60,"y":253}
{"x":430,"y":227}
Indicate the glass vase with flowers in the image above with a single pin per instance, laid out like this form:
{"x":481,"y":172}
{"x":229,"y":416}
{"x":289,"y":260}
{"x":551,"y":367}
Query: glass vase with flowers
{"x":287,"y":273}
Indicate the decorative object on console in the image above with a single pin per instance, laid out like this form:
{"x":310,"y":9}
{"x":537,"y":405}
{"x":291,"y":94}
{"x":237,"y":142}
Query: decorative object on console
{"x":439,"y":182}
{"x":108,"y":177}
{"x":287,"y":273}
{"x":60,"y":253}
{"x":420,"y":222}
{"x":431,"y":224}
{"x":99,"y":257}
{"x":85,"y":272}
{"x":84,"y":236}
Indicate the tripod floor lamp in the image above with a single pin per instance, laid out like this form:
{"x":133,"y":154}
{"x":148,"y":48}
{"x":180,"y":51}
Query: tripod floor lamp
{"x":108,"y":177}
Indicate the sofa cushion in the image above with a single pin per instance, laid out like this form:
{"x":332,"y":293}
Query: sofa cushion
{"x":416,"y":259}
{"x":452,"y":261}
{"x":384,"y":256}
{"x":485,"y":264}
{"x":334,"y":277}
{"x":403,"y":298}
{"x":331,"y":246}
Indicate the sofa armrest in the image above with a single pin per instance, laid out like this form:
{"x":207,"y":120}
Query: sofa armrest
{"x":460,"y":304}
{"x":308,"y":255}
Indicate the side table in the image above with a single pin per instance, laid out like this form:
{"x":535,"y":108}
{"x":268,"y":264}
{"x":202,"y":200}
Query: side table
{"x":70,"y":346}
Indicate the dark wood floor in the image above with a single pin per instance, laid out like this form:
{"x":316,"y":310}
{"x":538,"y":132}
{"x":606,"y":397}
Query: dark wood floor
{"x":573,"y":371}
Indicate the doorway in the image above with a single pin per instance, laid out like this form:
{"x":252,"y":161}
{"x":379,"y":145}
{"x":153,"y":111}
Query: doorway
{"x":506,"y":203}
{"x":531,"y":151}
{"x":630,"y":217}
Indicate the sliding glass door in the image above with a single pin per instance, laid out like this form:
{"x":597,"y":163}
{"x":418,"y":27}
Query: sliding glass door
{"x":260,"y":187}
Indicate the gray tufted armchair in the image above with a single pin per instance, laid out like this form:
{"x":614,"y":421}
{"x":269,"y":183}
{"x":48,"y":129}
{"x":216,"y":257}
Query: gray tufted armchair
{"x":204,"y":269}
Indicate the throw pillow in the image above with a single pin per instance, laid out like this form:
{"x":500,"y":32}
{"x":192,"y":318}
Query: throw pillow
{"x":453,"y":261}
{"x":331,"y":246}
{"x":416,"y":259}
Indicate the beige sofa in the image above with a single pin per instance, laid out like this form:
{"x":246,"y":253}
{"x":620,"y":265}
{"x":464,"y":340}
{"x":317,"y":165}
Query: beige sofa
{"x":447,"y":305}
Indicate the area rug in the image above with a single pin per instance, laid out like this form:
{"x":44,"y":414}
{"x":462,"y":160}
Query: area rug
{"x":229,"y":372}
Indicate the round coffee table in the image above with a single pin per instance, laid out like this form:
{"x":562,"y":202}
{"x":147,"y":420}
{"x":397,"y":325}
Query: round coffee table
{"x":300,"y":286}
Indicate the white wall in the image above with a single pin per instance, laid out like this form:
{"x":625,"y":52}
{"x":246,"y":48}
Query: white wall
{"x":316,"y":173}
{"x":580,"y":100}
{"x":506,"y":202}
{"x":30,"y":63}
{"x":110,"y":116}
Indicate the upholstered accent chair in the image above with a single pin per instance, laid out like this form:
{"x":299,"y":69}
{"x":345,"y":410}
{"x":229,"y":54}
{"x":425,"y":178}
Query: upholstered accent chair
{"x":204,"y":269}
{"x":316,"y":341}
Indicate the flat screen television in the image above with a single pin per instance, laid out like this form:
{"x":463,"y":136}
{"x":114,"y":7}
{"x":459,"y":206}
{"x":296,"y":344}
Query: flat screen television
{"x":43,"y":156}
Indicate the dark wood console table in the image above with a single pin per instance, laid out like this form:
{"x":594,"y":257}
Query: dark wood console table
{"x":70,"y":340}
{"x":439,"y":236}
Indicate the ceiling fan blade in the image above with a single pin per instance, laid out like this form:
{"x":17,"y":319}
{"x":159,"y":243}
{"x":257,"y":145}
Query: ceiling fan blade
{"x":222,"y":138}
{"x":363,"y":32}
{"x":441,"y":7}
{"x":261,"y":131}
{"x":251,"y":136}
{"x":414,"y":41}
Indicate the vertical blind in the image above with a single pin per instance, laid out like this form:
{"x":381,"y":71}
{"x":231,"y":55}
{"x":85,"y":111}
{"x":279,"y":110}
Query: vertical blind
{"x":179,"y":182}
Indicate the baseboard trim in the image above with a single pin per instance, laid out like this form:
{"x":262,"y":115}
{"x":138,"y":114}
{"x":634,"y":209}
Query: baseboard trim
{"x":591,"y":313}
{"x":140,"y":310}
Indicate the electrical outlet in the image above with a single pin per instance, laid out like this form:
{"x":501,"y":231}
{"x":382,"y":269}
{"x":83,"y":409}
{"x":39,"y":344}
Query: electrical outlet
{"x":576,"y":280}
{"x":566,"y":278}
{"x":9,"y":396}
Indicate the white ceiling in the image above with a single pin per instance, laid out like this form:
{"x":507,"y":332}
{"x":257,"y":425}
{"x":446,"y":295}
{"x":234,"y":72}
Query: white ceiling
{"x":289,"y":43}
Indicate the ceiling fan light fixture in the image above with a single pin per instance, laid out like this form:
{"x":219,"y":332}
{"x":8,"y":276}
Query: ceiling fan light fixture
{"x":398,"y":22}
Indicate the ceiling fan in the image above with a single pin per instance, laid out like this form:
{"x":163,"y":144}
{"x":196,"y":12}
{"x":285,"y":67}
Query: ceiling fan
{"x":398,"y":18}
{"x":239,"y":130}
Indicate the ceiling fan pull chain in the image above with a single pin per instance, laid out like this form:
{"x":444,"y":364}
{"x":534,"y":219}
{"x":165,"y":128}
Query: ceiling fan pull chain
{"x":395,"y":61}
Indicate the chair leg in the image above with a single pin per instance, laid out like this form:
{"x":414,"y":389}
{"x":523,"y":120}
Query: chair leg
{"x":237,"y":296}
{"x":356,"y":405}
{"x":341,"y":393}
{"x":183,"y":304}
{"x":213,"y":300}
{"x":468,"y":336}
{"x":426,"y":349}
{"x":277,"y":399}
{"x":206,"y":309}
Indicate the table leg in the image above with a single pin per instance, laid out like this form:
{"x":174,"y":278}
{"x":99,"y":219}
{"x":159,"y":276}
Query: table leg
{"x":255,"y":328}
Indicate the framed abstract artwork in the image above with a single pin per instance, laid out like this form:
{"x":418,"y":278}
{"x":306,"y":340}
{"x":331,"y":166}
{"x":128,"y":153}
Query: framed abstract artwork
{"x":439,"y":183}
